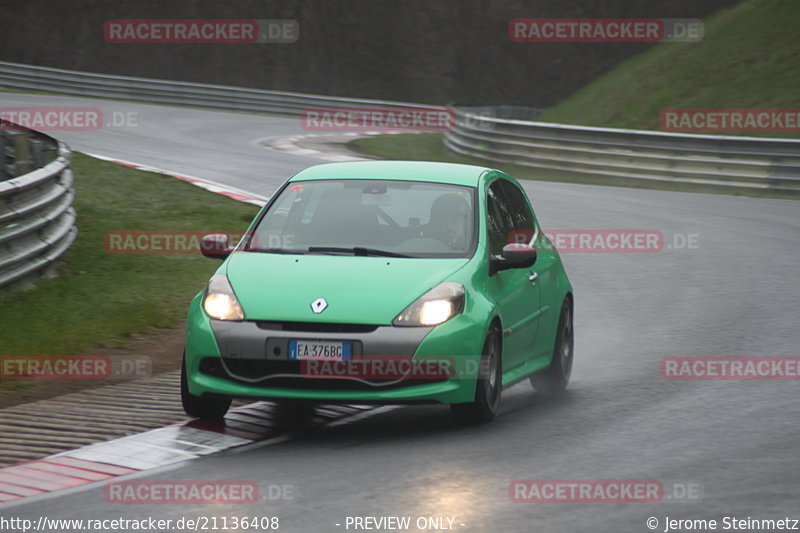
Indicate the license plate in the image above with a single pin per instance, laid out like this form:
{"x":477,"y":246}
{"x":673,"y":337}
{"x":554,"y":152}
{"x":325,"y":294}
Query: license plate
{"x":327,"y":350}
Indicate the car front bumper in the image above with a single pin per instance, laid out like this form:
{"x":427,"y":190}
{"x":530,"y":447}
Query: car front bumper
{"x":248,"y":360}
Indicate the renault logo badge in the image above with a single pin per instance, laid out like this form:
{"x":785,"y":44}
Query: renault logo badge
{"x":319,"y":305}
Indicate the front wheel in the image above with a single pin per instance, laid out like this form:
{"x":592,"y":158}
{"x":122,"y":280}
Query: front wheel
{"x":488,"y":387}
{"x":207,"y":408}
{"x":554,"y":379}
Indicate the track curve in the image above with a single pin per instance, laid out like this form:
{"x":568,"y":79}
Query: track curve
{"x":736,"y":294}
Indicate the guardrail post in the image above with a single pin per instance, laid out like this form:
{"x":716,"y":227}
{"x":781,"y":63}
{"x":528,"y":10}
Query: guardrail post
{"x":4,"y":175}
{"x":38,"y":147}
{"x":22,"y":153}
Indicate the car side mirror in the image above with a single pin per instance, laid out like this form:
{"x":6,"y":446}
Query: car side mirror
{"x":215,"y":246}
{"x":514,"y":255}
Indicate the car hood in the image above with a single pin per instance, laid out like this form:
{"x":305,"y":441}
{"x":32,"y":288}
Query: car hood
{"x":358,"y":290}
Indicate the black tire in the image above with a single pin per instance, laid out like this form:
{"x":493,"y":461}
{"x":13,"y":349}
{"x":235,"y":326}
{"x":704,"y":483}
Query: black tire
{"x":204,"y":407}
{"x":489,"y":387}
{"x":553,"y":380}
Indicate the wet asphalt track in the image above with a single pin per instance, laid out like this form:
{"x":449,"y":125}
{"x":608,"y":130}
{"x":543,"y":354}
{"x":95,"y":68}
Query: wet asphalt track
{"x":736,"y":294}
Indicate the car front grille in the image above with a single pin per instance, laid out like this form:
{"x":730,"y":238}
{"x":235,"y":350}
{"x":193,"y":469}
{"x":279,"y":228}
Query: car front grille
{"x":287,"y":374}
{"x":316,"y":327}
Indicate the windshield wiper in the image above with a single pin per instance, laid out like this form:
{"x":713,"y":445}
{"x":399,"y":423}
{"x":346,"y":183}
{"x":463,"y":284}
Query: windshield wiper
{"x":276,"y":251}
{"x":356,"y":250}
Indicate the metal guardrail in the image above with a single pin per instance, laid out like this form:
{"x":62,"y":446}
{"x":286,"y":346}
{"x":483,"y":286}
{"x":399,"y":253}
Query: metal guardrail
{"x":603,"y":153}
{"x":37,"y":220}
{"x":730,"y":161}
{"x":21,"y":76}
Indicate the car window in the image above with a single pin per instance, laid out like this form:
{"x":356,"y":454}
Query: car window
{"x":523,"y":219}
{"x":524,"y":225}
{"x":499,"y":218}
{"x":414,"y":218}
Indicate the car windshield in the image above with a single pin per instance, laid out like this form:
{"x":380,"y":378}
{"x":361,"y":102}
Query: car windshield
{"x":388,"y":218}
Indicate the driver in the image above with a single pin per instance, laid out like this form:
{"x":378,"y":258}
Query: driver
{"x":448,"y":222}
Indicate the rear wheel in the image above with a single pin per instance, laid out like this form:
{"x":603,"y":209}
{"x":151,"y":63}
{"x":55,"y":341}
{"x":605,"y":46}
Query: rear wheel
{"x":488,"y":387}
{"x":554,"y":379}
{"x":208,"y":408}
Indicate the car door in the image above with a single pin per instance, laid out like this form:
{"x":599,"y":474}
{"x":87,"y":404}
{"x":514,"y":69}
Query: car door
{"x":543,"y":273}
{"x":515,"y":293}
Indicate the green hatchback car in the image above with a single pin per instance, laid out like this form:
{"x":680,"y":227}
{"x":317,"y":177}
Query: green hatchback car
{"x":382,"y":282}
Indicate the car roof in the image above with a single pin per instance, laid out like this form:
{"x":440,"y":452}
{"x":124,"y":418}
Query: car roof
{"x":452,"y":173}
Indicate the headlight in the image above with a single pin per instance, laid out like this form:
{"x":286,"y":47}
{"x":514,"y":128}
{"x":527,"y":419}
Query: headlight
{"x":438,"y":305}
{"x":220,"y":301}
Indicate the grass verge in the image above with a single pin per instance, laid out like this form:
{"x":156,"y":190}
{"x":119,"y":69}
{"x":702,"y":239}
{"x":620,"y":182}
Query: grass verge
{"x":747,"y":59}
{"x":102,"y":298}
